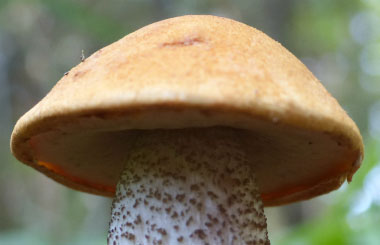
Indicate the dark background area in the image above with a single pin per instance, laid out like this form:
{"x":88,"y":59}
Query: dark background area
{"x":40,"y":40}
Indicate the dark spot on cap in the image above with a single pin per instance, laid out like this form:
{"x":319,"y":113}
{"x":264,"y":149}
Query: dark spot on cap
{"x":187,"y":41}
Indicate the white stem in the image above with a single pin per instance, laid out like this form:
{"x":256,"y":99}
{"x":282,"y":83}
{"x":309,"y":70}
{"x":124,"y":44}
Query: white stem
{"x":188,"y":187}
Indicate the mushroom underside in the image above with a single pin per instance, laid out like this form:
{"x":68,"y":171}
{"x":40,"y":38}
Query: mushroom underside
{"x":291,"y":163}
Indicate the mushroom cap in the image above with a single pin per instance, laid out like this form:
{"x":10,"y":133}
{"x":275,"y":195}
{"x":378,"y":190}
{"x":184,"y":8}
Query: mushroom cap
{"x":192,"y":72}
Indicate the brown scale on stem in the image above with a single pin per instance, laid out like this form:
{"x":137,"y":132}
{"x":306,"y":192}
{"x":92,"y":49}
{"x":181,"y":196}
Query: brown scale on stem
{"x":212,"y":197}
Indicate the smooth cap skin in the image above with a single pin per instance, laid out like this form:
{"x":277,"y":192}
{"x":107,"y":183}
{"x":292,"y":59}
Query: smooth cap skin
{"x":192,"y":72}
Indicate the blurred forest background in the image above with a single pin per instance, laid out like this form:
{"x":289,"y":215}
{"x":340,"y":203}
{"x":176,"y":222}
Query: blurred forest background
{"x":40,"y":40}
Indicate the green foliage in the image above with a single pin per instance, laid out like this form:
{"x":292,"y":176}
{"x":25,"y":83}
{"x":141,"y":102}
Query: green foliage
{"x":82,"y":17}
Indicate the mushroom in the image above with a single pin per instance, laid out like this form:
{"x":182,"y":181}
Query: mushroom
{"x":192,"y":125}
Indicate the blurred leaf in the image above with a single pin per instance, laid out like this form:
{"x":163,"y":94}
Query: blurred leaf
{"x":81,"y":16}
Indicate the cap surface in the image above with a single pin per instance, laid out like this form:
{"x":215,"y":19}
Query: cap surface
{"x":192,"y":72}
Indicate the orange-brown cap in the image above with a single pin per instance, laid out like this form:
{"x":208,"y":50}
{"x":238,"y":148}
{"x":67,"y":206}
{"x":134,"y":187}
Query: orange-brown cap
{"x":198,"y":72}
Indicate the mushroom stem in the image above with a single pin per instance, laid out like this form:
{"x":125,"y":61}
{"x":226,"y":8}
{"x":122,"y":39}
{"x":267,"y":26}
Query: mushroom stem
{"x":189,"y":187}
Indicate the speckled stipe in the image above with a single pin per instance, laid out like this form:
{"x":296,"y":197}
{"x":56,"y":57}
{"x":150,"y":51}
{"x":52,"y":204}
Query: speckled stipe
{"x":189,"y":188}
